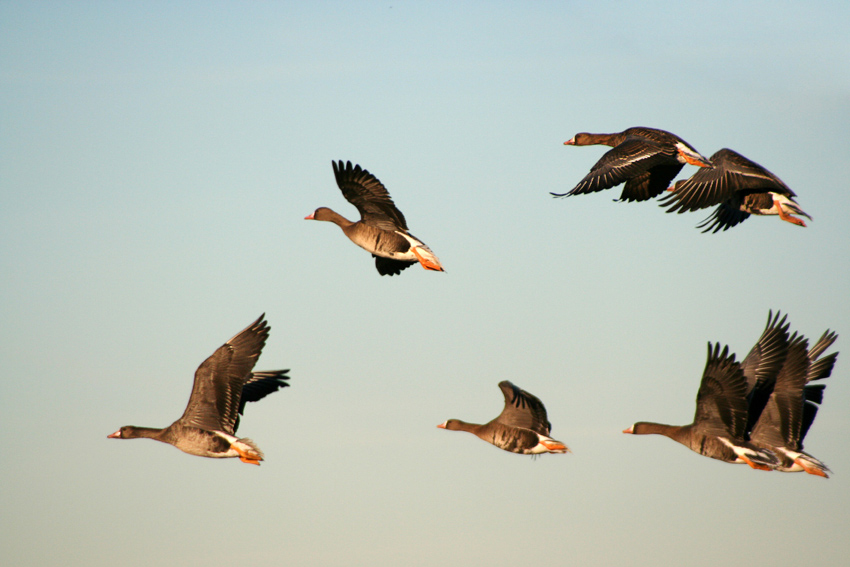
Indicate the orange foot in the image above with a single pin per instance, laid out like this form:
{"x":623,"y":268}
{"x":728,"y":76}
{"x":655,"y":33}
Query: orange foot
{"x":786,"y":217}
{"x":249,"y":457}
{"x":695,"y":162}
{"x":755,"y":465}
{"x":811,"y":470}
{"x":426,"y":263}
{"x":554,"y":446}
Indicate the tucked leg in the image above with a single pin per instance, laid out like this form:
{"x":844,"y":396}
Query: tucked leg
{"x":786,"y":217}
{"x":249,"y":457}
{"x":810,"y":469}
{"x":427,"y":263}
{"x":754,"y":465}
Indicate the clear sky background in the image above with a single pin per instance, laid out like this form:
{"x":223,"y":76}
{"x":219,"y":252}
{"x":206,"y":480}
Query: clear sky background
{"x":156,"y":164}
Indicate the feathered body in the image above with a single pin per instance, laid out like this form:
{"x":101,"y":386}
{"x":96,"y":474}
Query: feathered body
{"x":522,"y":427}
{"x":382,"y":229}
{"x":720,"y":420}
{"x":645,"y":159}
{"x":223,"y":384}
{"x":739,"y":187}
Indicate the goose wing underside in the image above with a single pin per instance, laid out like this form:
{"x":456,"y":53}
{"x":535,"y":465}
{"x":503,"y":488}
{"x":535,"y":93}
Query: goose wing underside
{"x":258,"y":386}
{"x":634,"y":157}
{"x":732,"y":175}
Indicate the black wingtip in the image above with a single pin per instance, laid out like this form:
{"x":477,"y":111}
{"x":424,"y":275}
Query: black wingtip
{"x":343,"y":167}
{"x":714,"y":353}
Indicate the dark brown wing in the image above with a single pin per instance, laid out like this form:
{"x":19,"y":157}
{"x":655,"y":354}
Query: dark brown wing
{"x":390,"y":266}
{"x":219,"y":380}
{"x":650,"y":183}
{"x":822,"y":367}
{"x":368,"y":194}
{"x":812,"y":399}
{"x":522,"y":410}
{"x":258,"y":386}
{"x":634,"y":157}
{"x":725,"y":216}
{"x":819,"y":368}
{"x":732,"y":174}
{"x":656,"y":135}
{"x":788,"y":391}
{"x":779,"y":423}
{"x":762,"y":365}
{"x":765,"y":359}
{"x":722,"y":397}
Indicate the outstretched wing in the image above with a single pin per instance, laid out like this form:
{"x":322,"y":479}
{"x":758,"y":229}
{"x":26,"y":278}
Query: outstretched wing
{"x":779,"y":423}
{"x":725,"y":216}
{"x":765,"y":359}
{"x":633,"y":158}
{"x":368,"y":194}
{"x":763,"y":363}
{"x":732,"y":174}
{"x":819,"y":368}
{"x":258,"y":386}
{"x":217,"y":391}
{"x":722,"y":396}
{"x":650,"y":183}
{"x":822,"y":367}
{"x":523,"y":410}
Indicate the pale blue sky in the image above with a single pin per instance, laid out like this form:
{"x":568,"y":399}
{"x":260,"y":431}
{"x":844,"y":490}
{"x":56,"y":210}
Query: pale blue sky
{"x":156,"y":163}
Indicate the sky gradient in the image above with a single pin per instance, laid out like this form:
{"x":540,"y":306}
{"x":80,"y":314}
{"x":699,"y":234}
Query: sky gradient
{"x":156,"y":164}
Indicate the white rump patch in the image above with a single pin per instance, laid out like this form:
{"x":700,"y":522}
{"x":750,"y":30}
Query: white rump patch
{"x":421,"y":248}
{"x":229,"y":438}
{"x":740,"y":451}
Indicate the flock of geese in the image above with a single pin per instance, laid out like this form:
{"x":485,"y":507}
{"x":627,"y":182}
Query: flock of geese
{"x":647,"y":160}
{"x":757,"y":411}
